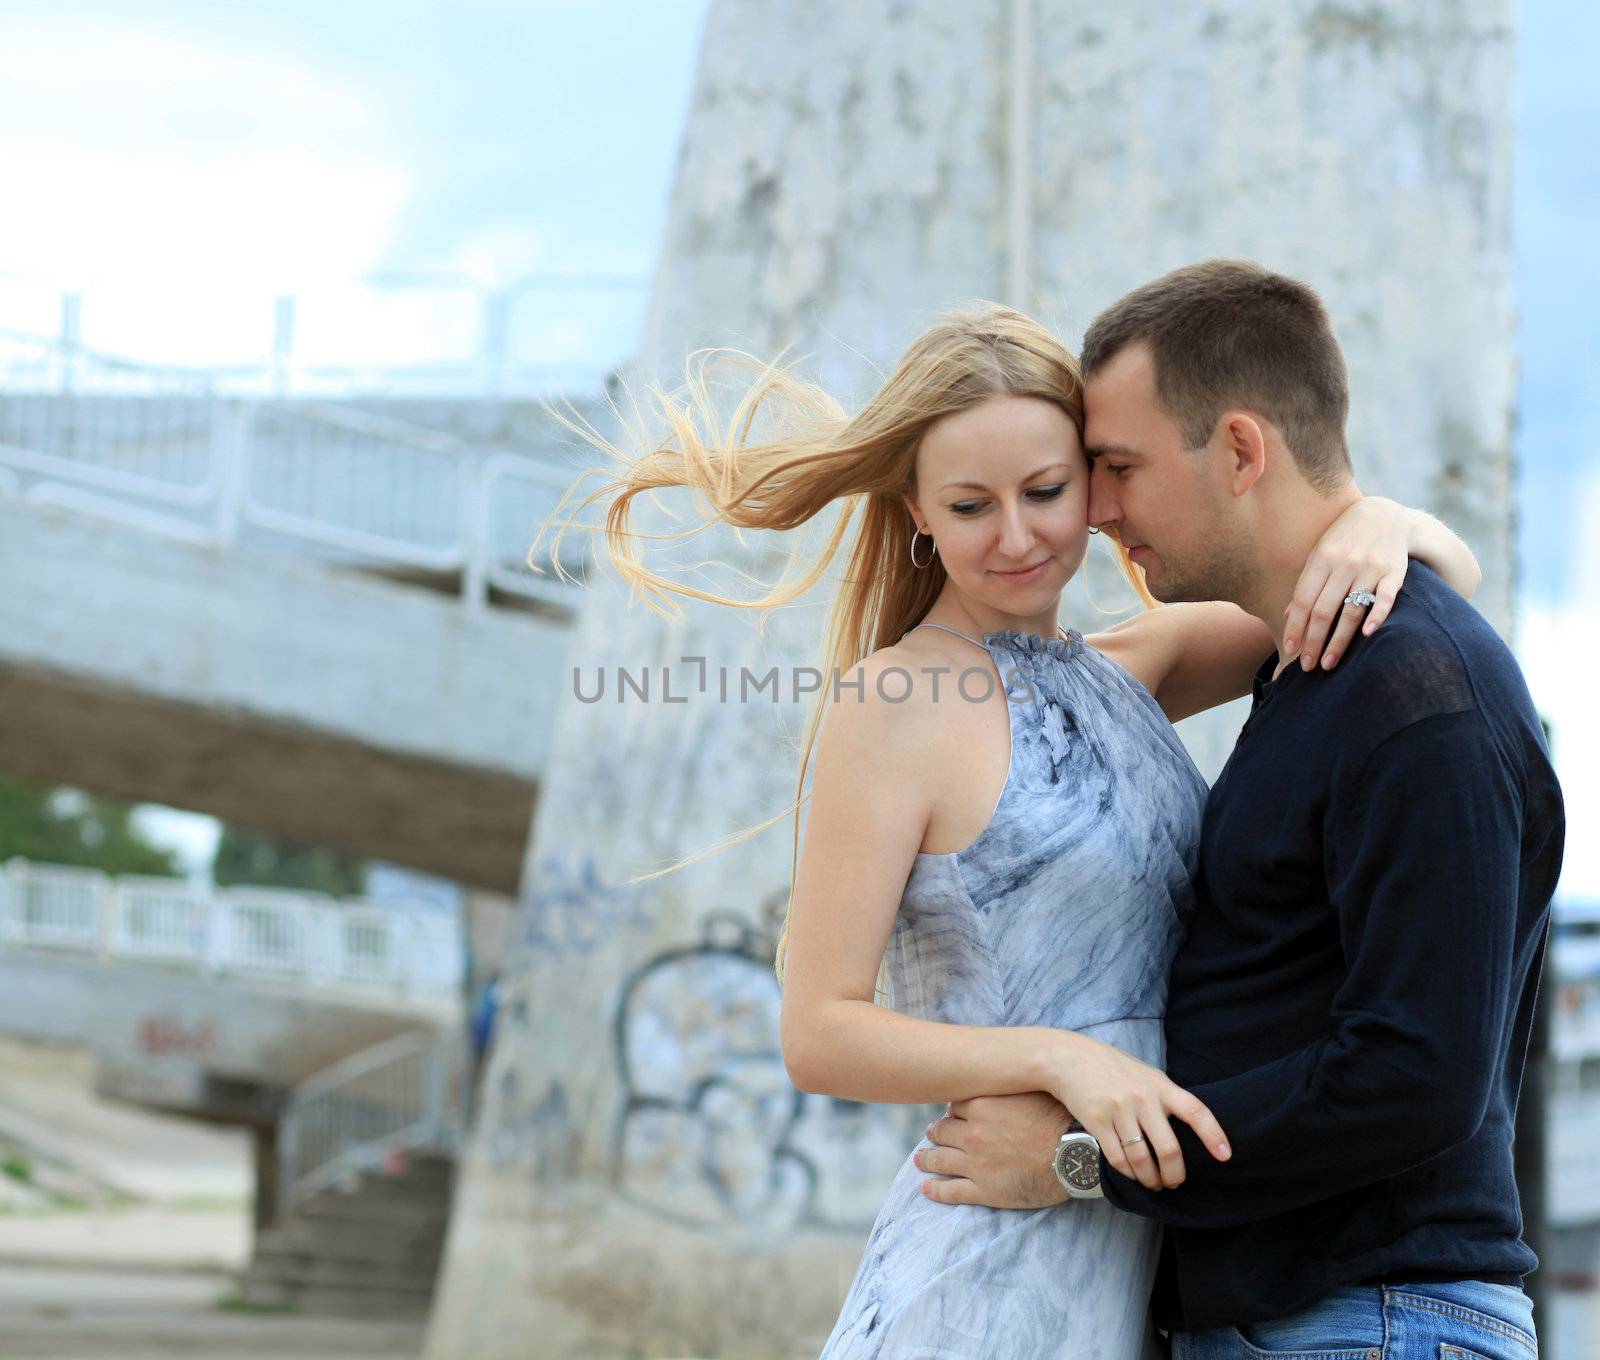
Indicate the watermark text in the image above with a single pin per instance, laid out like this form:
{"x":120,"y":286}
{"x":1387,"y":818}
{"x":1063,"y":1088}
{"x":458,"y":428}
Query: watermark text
{"x":891,"y":685}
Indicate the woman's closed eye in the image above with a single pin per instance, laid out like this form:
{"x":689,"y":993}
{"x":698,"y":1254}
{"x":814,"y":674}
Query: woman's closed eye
{"x":1039,"y":493}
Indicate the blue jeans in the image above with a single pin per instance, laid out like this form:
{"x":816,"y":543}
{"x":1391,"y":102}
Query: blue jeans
{"x":1460,"y":1320}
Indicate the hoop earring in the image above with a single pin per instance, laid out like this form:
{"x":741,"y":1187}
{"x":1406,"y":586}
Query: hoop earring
{"x":1093,"y":530}
{"x":915,"y":534}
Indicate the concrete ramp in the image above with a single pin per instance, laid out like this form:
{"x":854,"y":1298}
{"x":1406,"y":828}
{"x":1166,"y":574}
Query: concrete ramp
{"x":105,"y":1151}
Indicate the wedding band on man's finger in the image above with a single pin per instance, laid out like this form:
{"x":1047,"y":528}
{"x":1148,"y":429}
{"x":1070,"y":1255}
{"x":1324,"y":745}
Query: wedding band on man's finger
{"x":1129,"y":1142}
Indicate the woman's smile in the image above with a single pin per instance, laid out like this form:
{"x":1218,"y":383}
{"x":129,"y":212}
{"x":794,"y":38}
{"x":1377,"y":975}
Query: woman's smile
{"x":1026,"y":574}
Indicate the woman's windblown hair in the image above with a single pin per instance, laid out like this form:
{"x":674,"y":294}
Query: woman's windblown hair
{"x":788,"y":451}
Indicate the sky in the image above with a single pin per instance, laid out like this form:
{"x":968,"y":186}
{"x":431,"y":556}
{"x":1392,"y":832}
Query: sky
{"x":181,"y":163}
{"x":1556,"y":216}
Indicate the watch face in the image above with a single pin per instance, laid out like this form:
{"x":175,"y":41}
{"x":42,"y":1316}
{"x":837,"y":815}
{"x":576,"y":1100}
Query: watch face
{"x":1078,"y":1163}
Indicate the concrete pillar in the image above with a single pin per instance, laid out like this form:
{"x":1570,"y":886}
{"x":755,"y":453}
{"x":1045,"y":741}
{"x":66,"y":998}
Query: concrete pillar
{"x":643,"y":1181}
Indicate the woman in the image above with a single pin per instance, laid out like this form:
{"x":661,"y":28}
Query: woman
{"x":1003,"y":822}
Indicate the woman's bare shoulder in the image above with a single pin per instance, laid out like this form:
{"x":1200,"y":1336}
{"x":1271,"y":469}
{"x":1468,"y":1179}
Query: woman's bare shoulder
{"x":1133,"y":644}
{"x":905,"y":688}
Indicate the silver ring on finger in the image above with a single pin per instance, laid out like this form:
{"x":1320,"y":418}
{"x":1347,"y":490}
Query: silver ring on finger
{"x":1361,"y":598}
{"x":1129,"y":1142}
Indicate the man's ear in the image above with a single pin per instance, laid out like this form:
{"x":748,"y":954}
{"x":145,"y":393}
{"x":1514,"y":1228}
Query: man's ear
{"x":1244,"y":443}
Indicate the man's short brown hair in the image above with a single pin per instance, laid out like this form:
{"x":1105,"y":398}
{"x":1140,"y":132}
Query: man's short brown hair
{"x":1228,"y":333}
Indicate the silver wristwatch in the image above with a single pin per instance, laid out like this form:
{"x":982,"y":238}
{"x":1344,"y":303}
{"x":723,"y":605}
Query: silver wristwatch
{"x":1077,"y":1163}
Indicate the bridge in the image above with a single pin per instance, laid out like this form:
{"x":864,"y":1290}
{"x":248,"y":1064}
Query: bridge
{"x":194,"y":997}
{"x":332,"y":1030}
{"x":309,"y":618}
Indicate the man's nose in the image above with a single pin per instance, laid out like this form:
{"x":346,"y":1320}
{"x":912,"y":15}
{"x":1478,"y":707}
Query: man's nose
{"x":1103,"y":509}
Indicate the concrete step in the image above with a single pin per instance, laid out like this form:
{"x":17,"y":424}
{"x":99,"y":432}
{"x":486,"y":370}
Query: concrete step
{"x":308,"y":1269}
{"x":371,"y":1251}
{"x":352,"y":1240}
{"x":384,"y":1215}
{"x":277,"y":1256}
{"x":416,"y":1167}
{"x":401,"y":1191}
{"x":324,"y":1301}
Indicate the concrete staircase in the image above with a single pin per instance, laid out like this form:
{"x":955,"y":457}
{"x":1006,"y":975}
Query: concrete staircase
{"x":369,"y":1251}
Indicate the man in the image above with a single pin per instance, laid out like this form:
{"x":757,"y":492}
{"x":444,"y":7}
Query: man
{"x":1354,"y":995}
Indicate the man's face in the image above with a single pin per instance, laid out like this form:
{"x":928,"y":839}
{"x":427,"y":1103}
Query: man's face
{"x":1166,"y":504}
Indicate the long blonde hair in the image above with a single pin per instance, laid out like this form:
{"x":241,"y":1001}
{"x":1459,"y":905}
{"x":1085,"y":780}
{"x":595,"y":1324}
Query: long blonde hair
{"x":809,"y":453}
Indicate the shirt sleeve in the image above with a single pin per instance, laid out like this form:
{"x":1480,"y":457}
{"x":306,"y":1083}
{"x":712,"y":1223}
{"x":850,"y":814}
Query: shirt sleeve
{"x":1423,"y":856}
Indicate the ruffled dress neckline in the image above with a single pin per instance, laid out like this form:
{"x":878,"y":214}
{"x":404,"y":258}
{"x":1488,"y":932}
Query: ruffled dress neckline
{"x":1062,"y":646}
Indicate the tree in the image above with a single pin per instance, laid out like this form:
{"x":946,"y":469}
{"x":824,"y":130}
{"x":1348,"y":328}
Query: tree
{"x":246,"y":856}
{"x":67,"y":826}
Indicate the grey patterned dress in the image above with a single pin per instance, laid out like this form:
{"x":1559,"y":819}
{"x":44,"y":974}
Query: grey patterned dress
{"x":1065,"y":911}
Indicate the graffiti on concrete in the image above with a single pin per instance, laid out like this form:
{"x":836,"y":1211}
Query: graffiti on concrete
{"x":166,"y":1035}
{"x":710,"y":1130}
{"x":569,"y":909}
{"x":533,"y":1131}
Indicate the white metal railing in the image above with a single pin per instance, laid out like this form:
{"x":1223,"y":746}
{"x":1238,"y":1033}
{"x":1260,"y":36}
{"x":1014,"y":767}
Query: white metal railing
{"x":161,"y":450}
{"x":53,"y":908}
{"x":393,"y":1097}
{"x":434,"y":333}
{"x":156,"y":919}
{"x":322,"y":943}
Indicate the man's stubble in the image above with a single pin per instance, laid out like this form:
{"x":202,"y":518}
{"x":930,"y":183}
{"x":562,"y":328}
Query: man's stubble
{"x":1224,"y":569}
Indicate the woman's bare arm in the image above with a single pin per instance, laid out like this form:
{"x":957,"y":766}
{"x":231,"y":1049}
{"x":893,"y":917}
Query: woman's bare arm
{"x":870,"y":802}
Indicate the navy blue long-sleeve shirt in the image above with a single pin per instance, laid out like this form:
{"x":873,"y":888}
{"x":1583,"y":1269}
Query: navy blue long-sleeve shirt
{"x":1354,"y":996}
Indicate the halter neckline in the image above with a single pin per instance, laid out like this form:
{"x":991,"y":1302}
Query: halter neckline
{"x":1065,"y":645}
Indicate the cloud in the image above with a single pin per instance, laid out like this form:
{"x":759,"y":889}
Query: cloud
{"x":137,"y":154}
{"x":191,"y":836}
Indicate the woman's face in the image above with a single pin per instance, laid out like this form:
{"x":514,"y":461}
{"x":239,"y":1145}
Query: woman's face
{"x":1004,"y":490}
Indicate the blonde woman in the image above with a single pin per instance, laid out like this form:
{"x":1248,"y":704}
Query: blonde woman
{"x":1003,"y":823}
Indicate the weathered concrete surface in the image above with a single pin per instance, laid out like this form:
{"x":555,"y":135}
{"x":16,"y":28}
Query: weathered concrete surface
{"x":274,"y":692}
{"x":1363,"y":148}
{"x":847,"y":171}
